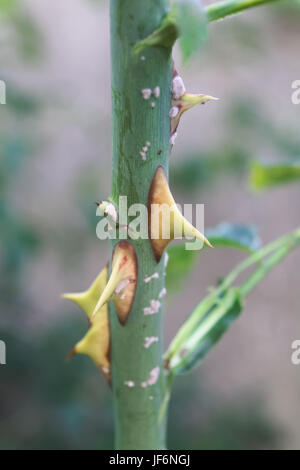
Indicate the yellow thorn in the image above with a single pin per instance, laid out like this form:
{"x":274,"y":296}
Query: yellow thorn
{"x":165,"y":220}
{"x":88,"y":299}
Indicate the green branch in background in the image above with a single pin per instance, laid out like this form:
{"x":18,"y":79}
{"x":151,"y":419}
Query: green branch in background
{"x":187,"y":21}
{"x":266,"y":176}
{"x":213,"y":316}
{"x":220,"y":10}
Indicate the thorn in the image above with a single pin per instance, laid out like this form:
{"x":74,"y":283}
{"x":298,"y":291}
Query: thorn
{"x":164,"y":227}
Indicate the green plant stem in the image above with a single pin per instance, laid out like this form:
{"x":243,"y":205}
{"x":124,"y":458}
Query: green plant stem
{"x":275,"y":252}
{"x":134,"y":122}
{"x":257,"y":257}
{"x":260,"y":273}
{"x":220,"y":10}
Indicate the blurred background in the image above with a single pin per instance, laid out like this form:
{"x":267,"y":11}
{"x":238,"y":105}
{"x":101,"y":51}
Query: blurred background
{"x":55,"y":160}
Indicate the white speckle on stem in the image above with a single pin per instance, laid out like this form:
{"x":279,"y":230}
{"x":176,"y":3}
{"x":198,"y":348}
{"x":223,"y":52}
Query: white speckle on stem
{"x":154,"y":307}
{"x":146,"y":92}
{"x":152,"y":104}
{"x":173,"y":138}
{"x":166,"y":260}
{"x":178,"y":88}
{"x":122,"y":285}
{"x":154,"y":276}
{"x":162,"y":293}
{"x":156,"y":92}
{"x":150,"y":340}
{"x":153,"y":377}
{"x":143,"y":152}
{"x":129,"y":383}
{"x":143,"y":57}
{"x":173,"y":111}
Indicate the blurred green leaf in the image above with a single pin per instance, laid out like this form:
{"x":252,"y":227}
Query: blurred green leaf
{"x":64,"y":411}
{"x":20,"y":242}
{"x":14,"y":152}
{"x":251,"y":120}
{"x":192,"y":24}
{"x":203,"y":169}
{"x":6,"y":6}
{"x":266,"y":176}
{"x":238,"y":424}
{"x":219,"y":10}
{"x":28,"y":36}
{"x":244,"y":237}
{"x":21,"y":102}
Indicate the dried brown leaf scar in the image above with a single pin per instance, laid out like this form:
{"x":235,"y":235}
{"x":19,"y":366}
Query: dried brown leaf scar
{"x":121,"y":285}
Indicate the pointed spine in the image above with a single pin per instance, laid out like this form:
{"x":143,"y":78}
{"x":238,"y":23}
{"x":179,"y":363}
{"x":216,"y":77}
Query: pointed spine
{"x":96,"y":342}
{"x":165,"y":221}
